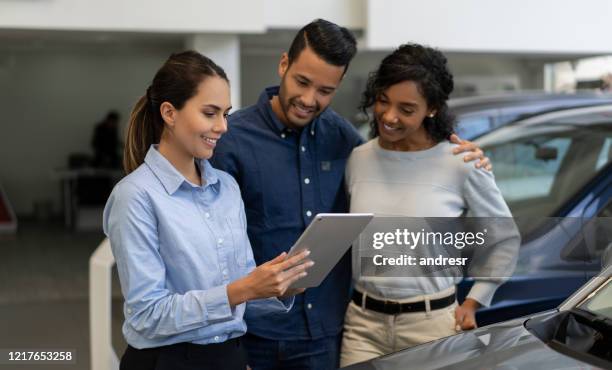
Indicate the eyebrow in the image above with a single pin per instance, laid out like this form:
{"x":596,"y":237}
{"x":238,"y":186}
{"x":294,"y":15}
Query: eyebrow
{"x":308,"y":80}
{"x":403,"y":103}
{"x":216,"y":107}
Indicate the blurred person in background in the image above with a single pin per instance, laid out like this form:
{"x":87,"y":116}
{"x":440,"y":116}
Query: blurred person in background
{"x":105,"y":142}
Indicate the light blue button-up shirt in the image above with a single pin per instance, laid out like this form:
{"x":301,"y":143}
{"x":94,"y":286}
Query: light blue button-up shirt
{"x":177,"y":246}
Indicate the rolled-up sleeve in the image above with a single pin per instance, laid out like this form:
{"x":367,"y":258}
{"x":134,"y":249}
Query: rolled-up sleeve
{"x":151,"y":309}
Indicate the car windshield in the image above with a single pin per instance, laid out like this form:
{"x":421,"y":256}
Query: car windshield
{"x":470,"y":126}
{"x":540,"y":167}
{"x":474,"y":120}
{"x":600,"y":301}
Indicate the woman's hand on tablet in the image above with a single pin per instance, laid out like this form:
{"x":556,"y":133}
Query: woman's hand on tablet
{"x":271,"y":279}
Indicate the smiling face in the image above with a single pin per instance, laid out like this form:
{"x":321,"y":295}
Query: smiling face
{"x":196,"y":127}
{"x":307,"y":88}
{"x":399,"y":112}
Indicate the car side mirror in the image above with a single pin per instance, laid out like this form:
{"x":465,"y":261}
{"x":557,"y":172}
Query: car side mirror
{"x":546,"y":153}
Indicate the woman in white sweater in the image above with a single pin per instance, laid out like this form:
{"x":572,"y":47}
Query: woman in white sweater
{"x":407,"y":170}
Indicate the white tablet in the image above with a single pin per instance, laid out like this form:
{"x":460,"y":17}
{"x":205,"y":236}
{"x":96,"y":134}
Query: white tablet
{"x":328,"y":237}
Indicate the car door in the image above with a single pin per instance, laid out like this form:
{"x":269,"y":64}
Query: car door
{"x":554,"y":259}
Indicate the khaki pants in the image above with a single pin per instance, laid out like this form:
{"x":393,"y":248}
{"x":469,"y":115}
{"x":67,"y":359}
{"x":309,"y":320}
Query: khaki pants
{"x":369,"y":334}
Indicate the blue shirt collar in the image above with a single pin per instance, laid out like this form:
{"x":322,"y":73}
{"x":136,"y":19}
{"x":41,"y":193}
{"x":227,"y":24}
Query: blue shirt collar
{"x":271,"y":118}
{"x":171,"y":178}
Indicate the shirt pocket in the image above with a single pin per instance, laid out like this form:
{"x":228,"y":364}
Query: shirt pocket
{"x":240,"y":240}
{"x":331,"y":174}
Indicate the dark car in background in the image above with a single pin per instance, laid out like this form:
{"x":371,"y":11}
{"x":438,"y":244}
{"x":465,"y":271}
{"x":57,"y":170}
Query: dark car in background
{"x":554,"y":171}
{"x":478,"y":115}
{"x":576,"y":335}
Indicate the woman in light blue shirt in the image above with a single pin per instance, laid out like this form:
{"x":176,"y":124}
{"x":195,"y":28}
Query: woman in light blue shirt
{"x":178,"y":230}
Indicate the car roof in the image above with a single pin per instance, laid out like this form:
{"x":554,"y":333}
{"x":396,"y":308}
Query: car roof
{"x":585,"y":116}
{"x":477,"y":103}
{"x":604,"y":110}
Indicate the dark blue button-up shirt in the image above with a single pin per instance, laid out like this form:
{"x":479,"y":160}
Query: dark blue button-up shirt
{"x":286,"y":177}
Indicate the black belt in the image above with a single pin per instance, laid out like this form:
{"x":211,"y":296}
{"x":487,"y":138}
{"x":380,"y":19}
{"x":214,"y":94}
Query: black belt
{"x":394,"y":308}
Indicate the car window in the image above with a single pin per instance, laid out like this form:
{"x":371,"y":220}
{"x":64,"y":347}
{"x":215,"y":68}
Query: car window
{"x":597,"y":236}
{"x":600,"y":302}
{"x":540,"y":167}
{"x":505,"y":118}
{"x":519,"y":172}
{"x":470,"y":126}
{"x":605,"y":156}
{"x":606,"y":211}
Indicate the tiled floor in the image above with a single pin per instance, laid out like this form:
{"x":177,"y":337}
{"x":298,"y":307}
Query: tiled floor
{"x":44,"y":292}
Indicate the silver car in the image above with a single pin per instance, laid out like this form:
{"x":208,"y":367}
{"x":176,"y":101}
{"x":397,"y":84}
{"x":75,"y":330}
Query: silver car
{"x":576,"y":335}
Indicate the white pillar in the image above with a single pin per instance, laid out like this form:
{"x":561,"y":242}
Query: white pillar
{"x":101,"y":262}
{"x":223,"y":49}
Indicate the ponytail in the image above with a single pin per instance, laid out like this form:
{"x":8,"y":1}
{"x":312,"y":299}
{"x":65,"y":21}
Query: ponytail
{"x":144,"y":129}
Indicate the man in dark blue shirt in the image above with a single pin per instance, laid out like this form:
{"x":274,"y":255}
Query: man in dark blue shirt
{"x":288,"y":153}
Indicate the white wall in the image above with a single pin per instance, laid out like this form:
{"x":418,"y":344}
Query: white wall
{"x":292,"y":14}
{"x":51,"y":99}
{"x":518,"y":26}
{"x":193,"y":16}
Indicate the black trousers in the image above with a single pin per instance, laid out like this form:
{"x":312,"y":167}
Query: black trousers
{"x":228,"y":355}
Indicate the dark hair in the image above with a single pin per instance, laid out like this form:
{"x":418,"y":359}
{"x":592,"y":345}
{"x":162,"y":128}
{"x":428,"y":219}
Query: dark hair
{"x":175,"y":82}
{"x":426,"y":67}
{"x":112,"y":115}
{"x":334,"y":44}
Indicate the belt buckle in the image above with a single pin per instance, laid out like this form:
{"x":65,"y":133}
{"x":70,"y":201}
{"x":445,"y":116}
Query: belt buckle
{"x":393,"y":308}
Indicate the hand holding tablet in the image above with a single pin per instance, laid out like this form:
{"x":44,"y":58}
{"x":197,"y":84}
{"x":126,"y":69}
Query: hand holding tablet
{"x":327,"y":238}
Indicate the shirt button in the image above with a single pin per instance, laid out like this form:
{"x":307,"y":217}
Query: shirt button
{"x":129,"y":310}
{"x":283,"y":135}
{"x":303,"y":148}
{"x":312,"y":133}
{"x":216,"y":338}
{"x":309,"y":306}
{"x":308,"y":213}
{"x":220,"y":241}
{"x":207,"y":215}
{"x":307,"y":181}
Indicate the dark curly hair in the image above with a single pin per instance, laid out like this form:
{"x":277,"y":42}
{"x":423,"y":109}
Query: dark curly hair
{"x":426,"y":67}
